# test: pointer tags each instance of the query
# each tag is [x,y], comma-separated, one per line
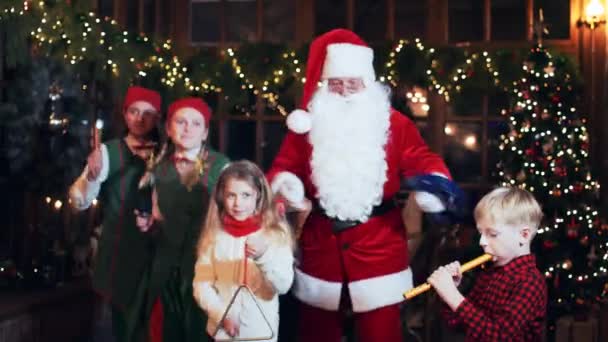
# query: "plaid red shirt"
[507,303]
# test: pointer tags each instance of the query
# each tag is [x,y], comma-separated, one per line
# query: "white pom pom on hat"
[299,121]
[337,53]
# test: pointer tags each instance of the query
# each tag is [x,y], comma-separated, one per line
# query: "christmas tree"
[45,121]
[546,152]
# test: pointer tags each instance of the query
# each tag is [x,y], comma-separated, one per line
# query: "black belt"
[340,225]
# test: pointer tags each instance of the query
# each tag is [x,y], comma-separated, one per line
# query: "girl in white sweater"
[244,241]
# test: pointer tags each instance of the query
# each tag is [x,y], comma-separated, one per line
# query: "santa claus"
[346,152]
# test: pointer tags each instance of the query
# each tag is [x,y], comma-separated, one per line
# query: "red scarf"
[238,228]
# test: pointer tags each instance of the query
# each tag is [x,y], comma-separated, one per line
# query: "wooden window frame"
[436,34]
[440,113]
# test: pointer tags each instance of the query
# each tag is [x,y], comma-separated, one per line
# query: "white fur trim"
[439,174]
[299,121]
[317,292]
[289,186]
[428,202]
[373,293]
[348,60]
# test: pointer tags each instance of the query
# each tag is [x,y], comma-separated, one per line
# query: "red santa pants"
[318,325]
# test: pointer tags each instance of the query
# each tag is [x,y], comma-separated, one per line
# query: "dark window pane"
[495,130]
[329,14]
[149,16]
[166,8]
[106,8]
[241,140]
[214,134]
[496,103]
[279,20]
[556,15]
[273,136]
[212,98]
[205,21]
[465,20]
[467,102]
[410,19]
[508,20]
[370,19]
[241,20]
[241,103]
[133,16]
[7,233]
[462,151]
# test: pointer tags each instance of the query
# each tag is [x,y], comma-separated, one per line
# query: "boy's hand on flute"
[444,282]
[453,268]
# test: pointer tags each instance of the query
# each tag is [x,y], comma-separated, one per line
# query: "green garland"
[100,51]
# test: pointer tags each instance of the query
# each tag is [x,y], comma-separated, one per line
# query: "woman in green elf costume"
[183,181]
[112,172]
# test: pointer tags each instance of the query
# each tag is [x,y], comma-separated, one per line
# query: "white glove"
[290,187]
[428,202]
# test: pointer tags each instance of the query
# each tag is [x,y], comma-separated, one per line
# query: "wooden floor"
[66,313]
[59,314]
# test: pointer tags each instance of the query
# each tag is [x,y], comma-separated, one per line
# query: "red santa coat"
[372,257]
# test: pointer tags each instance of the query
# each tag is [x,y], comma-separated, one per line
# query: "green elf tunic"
[172,272]
[124,252]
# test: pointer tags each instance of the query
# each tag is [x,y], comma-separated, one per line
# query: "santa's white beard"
[348,157]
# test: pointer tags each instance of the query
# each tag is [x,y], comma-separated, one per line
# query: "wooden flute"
[464,268]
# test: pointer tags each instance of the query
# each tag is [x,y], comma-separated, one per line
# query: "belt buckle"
[342,225]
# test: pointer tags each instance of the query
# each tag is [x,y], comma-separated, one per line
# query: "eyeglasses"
[345,85]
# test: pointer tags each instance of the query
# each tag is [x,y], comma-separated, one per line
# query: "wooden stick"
[96,135]
[464,268]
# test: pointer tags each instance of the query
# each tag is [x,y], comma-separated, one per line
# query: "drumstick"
[464,268]
[97,133]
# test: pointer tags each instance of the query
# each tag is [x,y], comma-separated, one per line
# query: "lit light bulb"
[470,141]
[594,9]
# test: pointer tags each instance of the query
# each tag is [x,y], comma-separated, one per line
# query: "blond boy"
[508,301]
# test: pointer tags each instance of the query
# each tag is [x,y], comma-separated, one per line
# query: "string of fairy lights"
[94,38]
[174,70]
[477,60]
[483,60]
[279,74]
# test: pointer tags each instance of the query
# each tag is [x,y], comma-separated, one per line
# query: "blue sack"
[450,194]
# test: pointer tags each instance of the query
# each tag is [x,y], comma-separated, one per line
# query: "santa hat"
[191,102]
[337,53]
[136,93]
